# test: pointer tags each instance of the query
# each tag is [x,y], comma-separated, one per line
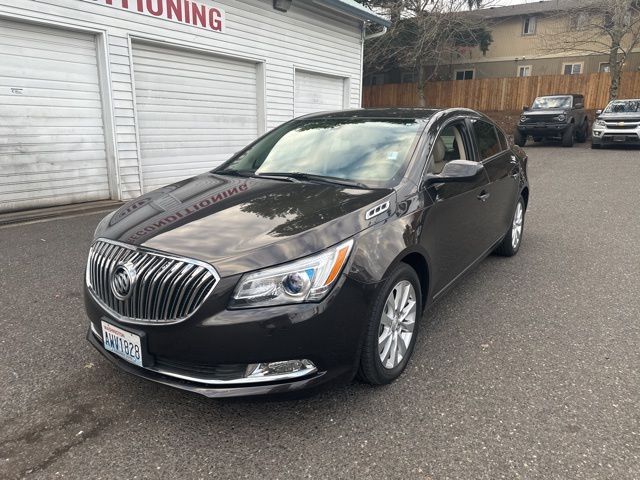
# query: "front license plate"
[122,343]
[619,138]
[540,125]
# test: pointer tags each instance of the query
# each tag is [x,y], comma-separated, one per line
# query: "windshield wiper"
[252,174]
[310,177]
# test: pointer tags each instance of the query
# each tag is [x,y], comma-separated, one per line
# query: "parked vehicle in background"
[618,124]
[559,117]
[309,256]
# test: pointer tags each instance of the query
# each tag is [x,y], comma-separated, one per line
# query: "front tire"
[582,135]
[393,327]
[510,244]
[519,139]
[568,137]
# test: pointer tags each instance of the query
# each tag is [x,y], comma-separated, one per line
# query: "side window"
[486,139]
[504,144]
[448,146]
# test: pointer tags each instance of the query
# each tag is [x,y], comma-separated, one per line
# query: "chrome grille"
[164,289]
[622,124]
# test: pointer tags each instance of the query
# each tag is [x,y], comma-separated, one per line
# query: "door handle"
[484,196]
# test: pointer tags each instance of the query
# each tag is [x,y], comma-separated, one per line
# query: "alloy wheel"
[516,228]
[397,324]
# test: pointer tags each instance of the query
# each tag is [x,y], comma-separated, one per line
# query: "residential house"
[522,46]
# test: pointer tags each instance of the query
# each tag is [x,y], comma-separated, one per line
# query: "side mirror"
[525,108]
[456,171]
[579,105]
[598,112]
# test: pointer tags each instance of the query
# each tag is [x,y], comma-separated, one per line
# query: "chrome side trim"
[238,381]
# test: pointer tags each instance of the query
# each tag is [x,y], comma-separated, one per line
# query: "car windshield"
[623,106]
[372,152]
[544,103]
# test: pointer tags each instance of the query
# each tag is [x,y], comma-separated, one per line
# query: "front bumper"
[204,353]
[543,129]
[615,137]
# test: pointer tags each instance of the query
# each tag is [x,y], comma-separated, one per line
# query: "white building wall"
[307,37]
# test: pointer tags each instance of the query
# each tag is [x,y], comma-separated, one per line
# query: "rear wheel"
[393,326]
[582,135]
[568,137]
[511,242]
[519,139]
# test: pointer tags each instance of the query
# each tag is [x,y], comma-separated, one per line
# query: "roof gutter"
[377,34]
[355,10]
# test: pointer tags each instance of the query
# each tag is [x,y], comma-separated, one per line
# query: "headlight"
[561,118]
[600,123]
[306,280]
[524,119]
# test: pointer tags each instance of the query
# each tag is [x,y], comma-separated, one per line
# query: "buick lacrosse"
[309,256]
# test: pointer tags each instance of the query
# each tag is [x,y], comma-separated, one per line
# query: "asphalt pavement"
[529,368]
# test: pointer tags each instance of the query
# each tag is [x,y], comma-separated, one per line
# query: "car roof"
[414,113]
[562,95]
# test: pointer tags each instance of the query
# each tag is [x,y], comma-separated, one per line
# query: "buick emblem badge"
[123,279]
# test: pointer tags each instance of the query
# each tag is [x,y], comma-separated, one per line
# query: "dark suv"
[556,116]
[309,256]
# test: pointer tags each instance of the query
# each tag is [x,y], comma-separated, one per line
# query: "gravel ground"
[529,368]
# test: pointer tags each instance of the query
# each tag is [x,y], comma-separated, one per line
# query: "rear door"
[454,224]
[503,169]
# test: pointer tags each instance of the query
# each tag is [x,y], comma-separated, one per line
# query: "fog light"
[286,368]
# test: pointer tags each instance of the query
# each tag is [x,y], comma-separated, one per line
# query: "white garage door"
[318,93]
[52,148]
[194,111]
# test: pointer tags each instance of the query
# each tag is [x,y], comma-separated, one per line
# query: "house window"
[524,70]
[572,68]
[465,74]
[377,79]
[604,67]
[407,78]
[529,26]
[580,21]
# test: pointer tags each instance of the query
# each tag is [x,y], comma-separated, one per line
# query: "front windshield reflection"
[374,152]
[624,106]
[544,103]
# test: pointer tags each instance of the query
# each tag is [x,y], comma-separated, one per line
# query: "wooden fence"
[501,94]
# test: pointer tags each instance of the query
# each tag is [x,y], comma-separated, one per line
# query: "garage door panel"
[52,145]
[38,198]
[194,111]
[316,92]
[180,69]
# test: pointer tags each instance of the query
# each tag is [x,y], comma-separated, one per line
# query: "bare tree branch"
[606,27]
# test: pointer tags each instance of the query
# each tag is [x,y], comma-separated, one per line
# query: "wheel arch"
[525,196]
[419,263]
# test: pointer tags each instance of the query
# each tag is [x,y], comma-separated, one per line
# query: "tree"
[606,27]
[424,35]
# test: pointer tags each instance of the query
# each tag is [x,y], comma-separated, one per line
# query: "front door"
[454,224]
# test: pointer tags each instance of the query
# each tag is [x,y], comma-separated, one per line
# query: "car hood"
[239,224]
[538,113]
[623,117]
